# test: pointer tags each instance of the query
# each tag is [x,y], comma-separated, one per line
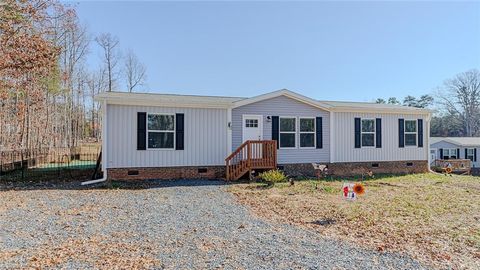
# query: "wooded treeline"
[46,88]
[456,106]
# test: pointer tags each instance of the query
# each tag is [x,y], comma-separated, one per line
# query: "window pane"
[368,125]
[160,140]
[251,123]
[307,125]
[307,140]
[410,126]
[287,124]
[410,139]
[287,140]
[160,122]
[367,140]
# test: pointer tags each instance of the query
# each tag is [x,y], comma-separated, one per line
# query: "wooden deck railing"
[251,155]
[457,165]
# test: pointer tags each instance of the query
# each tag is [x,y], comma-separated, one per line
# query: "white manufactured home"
[447,148]
[164,136]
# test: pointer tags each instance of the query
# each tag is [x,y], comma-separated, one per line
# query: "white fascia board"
[457,143]
[381,110]
[166,103]
[279,93]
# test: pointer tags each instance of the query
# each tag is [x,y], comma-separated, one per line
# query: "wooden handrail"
[261,154]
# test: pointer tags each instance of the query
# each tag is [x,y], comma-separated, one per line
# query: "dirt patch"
[433,218]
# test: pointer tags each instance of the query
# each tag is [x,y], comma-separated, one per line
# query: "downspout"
[104,147]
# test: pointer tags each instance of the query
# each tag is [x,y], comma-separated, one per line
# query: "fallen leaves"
[432,218]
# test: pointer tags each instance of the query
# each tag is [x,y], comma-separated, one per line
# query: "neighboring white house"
[456,148]
[176,136]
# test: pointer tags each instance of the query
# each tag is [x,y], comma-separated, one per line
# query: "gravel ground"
[171,224]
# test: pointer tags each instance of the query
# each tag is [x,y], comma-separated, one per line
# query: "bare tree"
[109,44]
[460,97]
[135,71]
[96,84]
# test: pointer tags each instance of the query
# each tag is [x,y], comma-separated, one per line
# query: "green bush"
[274,176]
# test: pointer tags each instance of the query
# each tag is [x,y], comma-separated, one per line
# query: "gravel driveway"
[176,224]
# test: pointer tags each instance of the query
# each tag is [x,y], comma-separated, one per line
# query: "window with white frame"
[161,131]
[307,132]
[470,154]
[410,132]
[288,132]
[368,132]
[450,153]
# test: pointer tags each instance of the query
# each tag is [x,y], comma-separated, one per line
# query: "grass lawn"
[433,218]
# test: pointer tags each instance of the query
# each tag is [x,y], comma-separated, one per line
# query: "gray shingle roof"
[462,141]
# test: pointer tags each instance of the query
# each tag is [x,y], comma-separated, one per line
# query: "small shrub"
[331,190]
[273,176]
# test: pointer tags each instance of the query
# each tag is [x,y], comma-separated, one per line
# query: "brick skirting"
[359,168]
[293,170]
[192,172]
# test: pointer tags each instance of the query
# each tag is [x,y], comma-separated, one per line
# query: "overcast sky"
[325,50]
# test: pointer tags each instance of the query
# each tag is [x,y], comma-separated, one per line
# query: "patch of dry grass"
[433,218]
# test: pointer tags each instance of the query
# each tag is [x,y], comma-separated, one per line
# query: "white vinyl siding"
[205,138]
[343,141]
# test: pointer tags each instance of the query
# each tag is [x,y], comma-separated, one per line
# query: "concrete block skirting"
[191,172]
[359,168]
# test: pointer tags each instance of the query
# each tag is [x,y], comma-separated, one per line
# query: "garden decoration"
[352,190]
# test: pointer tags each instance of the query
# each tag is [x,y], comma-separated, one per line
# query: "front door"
[252,129]
[433,155]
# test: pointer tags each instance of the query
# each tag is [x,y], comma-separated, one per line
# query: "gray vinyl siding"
[205,138]
[284,106]
[443,144]
[344,140]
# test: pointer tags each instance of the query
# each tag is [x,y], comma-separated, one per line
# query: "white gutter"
[104,148]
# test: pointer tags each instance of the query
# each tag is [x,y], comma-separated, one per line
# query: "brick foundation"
[293,170]
[194,172]
[359,168]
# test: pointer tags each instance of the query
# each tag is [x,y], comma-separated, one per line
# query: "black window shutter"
[458,153]
[401,133]
[319,132]
[466,153]
[179,131]
[420,132]
[275,129]
[357,133]
[141,130]
[378,131]
[441,153]
[475,155]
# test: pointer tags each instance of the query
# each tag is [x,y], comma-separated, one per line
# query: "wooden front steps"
[249,156]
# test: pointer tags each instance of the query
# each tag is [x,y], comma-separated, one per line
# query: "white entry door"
[433,155]
[253,130]
[252,127]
